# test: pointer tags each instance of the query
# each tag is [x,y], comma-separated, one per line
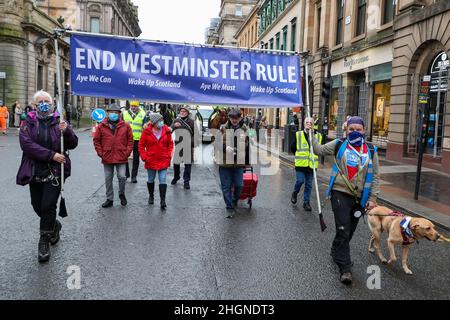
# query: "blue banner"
[175,73]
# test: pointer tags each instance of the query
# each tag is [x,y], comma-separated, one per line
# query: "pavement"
[397,187]
[275,250]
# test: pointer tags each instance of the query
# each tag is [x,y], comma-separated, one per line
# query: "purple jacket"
[32,151]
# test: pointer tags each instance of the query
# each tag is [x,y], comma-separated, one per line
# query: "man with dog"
[353,187]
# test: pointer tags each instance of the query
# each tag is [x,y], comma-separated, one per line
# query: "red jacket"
[156,154]
[113,148]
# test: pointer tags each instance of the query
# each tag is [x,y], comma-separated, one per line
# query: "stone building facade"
[118,17]
[27,51]
[232,14]
[421,47]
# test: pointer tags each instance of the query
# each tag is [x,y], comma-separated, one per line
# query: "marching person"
[40,140]
[4,117]
[231,168]
[353,187]
[135,117]
[304,164]
[155,148]
[184,122]
[113,142]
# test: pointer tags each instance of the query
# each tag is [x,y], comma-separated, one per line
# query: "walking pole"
[319,205]
[62,203]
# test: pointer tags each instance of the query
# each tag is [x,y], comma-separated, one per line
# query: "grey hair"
[41,93]
[308,118]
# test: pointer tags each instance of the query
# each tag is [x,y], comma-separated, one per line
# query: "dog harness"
[407,235]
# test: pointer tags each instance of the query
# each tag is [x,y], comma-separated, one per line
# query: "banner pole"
[311,132]
[61,117]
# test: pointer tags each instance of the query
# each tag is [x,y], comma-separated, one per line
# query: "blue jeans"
[231,177]
[162,174]
[307,178]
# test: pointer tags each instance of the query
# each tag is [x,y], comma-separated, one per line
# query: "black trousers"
[134,170]
[186,173]
[343,206]
[44,199]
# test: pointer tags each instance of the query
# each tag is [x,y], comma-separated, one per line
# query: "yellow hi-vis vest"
[303,156]
[136,123]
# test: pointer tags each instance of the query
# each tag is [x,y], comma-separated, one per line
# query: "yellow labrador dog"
[401,229]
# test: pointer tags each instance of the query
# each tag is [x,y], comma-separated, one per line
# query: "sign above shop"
[362,60]
[440,63]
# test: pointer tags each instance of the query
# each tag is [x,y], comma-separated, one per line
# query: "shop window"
[333,110]
[381,112]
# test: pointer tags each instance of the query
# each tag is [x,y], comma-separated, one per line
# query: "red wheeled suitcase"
[250,186]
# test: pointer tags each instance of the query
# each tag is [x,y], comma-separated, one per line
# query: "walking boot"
[294,197]
[44,246]
[174,180]
[186,185]
[55,236]
[107,204]
[346,278]
[307,206]
[123,200]
[151,192]
[162,195]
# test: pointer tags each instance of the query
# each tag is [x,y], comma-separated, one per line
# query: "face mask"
[160,124]
[113,117]
[355,138]
[43,107]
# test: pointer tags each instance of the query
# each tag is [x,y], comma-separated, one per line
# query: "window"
[284,45]
[389,11]
[340,21]
[239,10]
[95,25]
[361,16]
[280,6]
[40,78]
[293,33]
[319,13]
[271,44]
[274,10]
[277,41]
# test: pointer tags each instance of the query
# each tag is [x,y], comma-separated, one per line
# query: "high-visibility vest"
[3,112]
[136,123]
[303,156]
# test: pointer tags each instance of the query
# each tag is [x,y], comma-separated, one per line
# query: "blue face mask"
[43,107]
[113,117]
[160,124]
[355,138]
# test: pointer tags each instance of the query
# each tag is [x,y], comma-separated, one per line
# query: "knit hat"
[355,120]
[184,107]
[155,117]
[234,112]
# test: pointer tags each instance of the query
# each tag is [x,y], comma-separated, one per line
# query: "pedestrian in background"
[305,163]
[135,117]
[113,142]
[353,187]
[17,113]
[40,140]
[184,122]
[155,148]
[4,118]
